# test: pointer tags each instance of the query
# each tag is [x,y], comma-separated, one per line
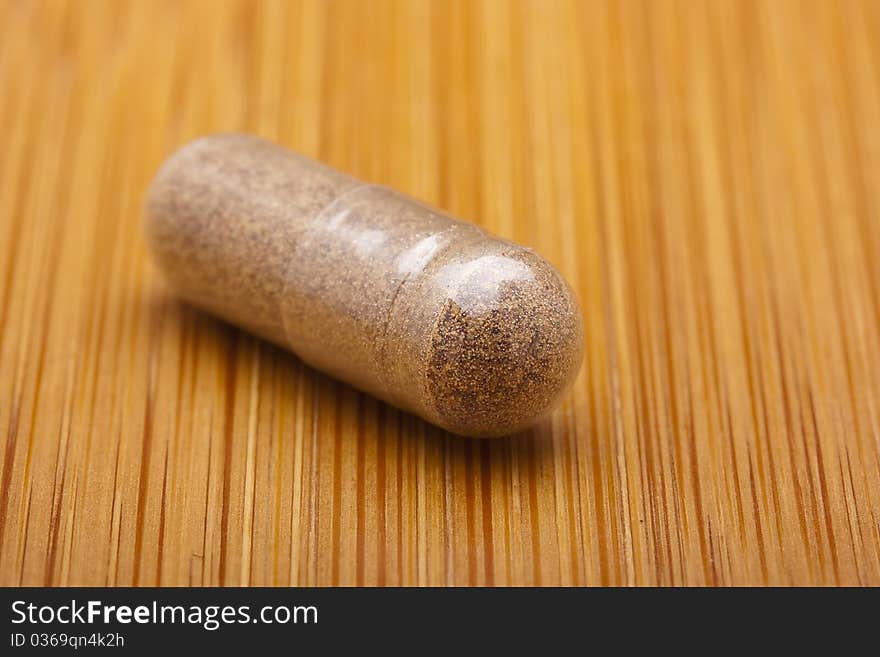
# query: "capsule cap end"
[506,346]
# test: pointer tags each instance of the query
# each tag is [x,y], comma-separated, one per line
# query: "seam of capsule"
[285,290]
[422,372]
[336,205]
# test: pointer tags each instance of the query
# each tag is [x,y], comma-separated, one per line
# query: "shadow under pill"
[334,406]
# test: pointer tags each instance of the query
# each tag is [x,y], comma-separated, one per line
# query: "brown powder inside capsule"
[506,365]
[224,216]
[427,312]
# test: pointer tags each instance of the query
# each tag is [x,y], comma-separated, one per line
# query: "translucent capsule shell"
[429,313]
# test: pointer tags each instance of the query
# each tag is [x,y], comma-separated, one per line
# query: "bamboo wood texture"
[705,174]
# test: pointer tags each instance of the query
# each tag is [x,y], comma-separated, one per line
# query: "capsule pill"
[429,313]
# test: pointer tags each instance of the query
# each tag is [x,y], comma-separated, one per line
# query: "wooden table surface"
[705,174]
